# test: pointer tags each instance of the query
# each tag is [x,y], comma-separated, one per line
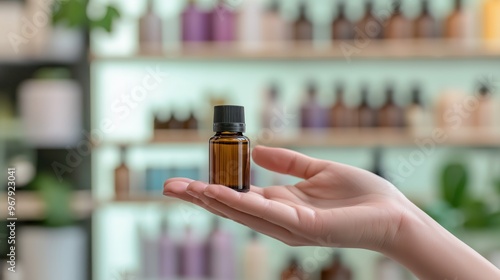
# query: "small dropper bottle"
[230,149]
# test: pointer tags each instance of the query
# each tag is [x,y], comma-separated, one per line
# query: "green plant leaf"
[72,13]
[56,197]
[454,180]
[106,22]
[496,183]
[494,219]
[477,215]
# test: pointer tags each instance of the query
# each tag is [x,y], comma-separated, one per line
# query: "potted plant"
[474,219]
[55,248]
[72,19]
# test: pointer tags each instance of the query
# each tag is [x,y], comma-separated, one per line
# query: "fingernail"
[209,194]
[191,193]
[168,193]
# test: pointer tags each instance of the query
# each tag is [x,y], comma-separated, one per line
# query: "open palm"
[335,204]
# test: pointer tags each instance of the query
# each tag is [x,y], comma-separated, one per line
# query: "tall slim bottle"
[302,27]
[168,254]
[425,25]
[390,114]
[249,23]
[455,24]
[195,26]
[273,25]
[293,271]
[270,109]
[340,114]
[192,256]
[229,149]
[366,116]
[221,256]
[491,20]
[122,176]
[223,22]
[398,26]
[255,259]
[342,28]
[150,31]
[149,252]
[369,26]
[313,115]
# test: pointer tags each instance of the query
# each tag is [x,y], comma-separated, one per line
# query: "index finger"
[288,162]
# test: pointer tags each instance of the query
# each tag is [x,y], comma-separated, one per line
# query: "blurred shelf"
[10,130]
[386,137]
[355,137]
[144,198]
[30,60]
[346,50]
[29,206]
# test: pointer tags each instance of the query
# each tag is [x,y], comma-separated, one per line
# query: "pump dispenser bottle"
[230,149]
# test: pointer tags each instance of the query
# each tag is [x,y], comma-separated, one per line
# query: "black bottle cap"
[229,118]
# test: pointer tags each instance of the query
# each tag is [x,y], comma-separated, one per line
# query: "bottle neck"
[341,10]
[228,133]
[425,8]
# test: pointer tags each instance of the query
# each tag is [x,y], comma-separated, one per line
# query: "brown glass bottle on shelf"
[191,123]
[337,270]
[158,124]
[293,271]
[173,122]
[366,116]
[342,28]
[340,114]
[390,114]
[229,151]
[455,24]
[425,26]
[398,26]
[302,27]
[369,25]
[122,177]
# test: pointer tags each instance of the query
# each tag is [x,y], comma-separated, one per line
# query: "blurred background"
[101,101]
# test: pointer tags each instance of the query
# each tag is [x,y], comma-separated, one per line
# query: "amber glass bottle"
[455,24]
[302,27]
[342,28]
[425,25]
[122,176]
[230,149]
[369,24]
[398,26]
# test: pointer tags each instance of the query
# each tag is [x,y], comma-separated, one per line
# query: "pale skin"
[337,205]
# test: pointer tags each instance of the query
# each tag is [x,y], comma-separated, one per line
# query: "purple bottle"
[221,264]
[192,256]
[168,256]
[313,115]
[223,22]
[195,24]
[149,255]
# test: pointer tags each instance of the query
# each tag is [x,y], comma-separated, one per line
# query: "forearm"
[431,252]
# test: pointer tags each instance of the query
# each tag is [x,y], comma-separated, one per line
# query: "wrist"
[431,252]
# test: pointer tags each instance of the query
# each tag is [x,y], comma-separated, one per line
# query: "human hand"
[335,204]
